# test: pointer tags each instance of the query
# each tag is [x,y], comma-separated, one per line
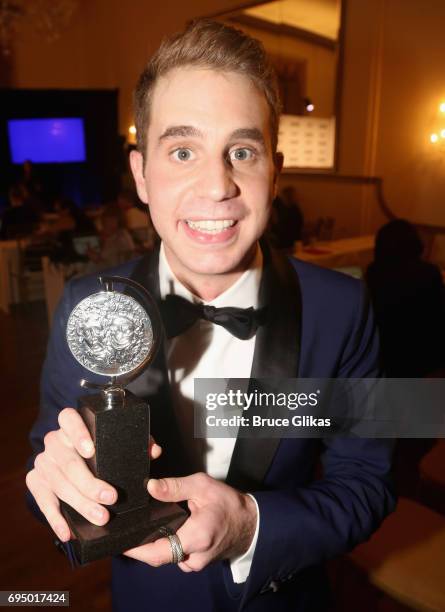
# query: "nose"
[216,181]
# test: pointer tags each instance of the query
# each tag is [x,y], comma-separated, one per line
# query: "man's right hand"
[61,473]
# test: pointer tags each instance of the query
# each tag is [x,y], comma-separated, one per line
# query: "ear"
[137,169]
[278,164]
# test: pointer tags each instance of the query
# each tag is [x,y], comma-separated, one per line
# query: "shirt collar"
[242,294]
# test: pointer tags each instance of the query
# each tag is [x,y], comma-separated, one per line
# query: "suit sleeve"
[60,379]
[304,527]
[59,386]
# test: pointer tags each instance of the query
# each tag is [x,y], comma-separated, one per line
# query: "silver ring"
[175,544]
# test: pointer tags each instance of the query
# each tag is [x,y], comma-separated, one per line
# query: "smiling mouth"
[210,226]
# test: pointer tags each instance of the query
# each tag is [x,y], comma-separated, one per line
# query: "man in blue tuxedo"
[261,521]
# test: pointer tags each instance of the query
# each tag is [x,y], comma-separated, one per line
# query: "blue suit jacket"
[320,324]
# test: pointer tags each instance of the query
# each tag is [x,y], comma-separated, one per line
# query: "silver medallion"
[110,333]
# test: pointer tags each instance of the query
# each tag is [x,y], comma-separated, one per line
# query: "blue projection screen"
[47,140]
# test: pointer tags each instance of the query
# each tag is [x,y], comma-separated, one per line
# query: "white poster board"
[307,142]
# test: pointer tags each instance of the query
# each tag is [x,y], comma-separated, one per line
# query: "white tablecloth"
[348,252]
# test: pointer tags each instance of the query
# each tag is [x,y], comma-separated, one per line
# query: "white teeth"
[211,227]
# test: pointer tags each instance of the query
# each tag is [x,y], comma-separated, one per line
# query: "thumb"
[176,489]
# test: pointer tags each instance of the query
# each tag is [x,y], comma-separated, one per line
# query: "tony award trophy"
[110,333]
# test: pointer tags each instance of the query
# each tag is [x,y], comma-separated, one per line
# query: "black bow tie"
[179,314]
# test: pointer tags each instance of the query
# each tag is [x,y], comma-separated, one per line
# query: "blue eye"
[242,154]
[182,154]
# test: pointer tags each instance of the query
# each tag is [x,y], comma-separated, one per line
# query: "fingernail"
[160,484]
[87,446]
[97,513]
[106,496]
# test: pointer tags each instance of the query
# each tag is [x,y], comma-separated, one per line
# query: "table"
[348,252]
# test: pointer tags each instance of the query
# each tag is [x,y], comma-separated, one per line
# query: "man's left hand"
[221,524]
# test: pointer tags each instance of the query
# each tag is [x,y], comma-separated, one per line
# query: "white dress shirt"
[207,350]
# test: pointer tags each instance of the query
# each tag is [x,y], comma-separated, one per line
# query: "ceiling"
[321,17]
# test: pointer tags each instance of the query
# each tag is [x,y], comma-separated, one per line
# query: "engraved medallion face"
[110,333]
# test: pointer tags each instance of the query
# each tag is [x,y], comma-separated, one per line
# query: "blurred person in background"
[138,220]
[71,218]
[135,212]
[408,298]
[286,223]
[39,199]
[29,177]
[116,243]
[59,229]
[19,219]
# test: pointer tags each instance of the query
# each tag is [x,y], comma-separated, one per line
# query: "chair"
[405,558]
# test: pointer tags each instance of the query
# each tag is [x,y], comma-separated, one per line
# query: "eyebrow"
[248,134]
[180,131]
[187,131]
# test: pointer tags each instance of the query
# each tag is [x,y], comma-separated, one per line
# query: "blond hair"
[211,45]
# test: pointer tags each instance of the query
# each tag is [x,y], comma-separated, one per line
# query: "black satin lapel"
[162,418]
[277,346]
[276,355]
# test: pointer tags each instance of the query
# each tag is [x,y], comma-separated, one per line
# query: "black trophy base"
[123,531]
